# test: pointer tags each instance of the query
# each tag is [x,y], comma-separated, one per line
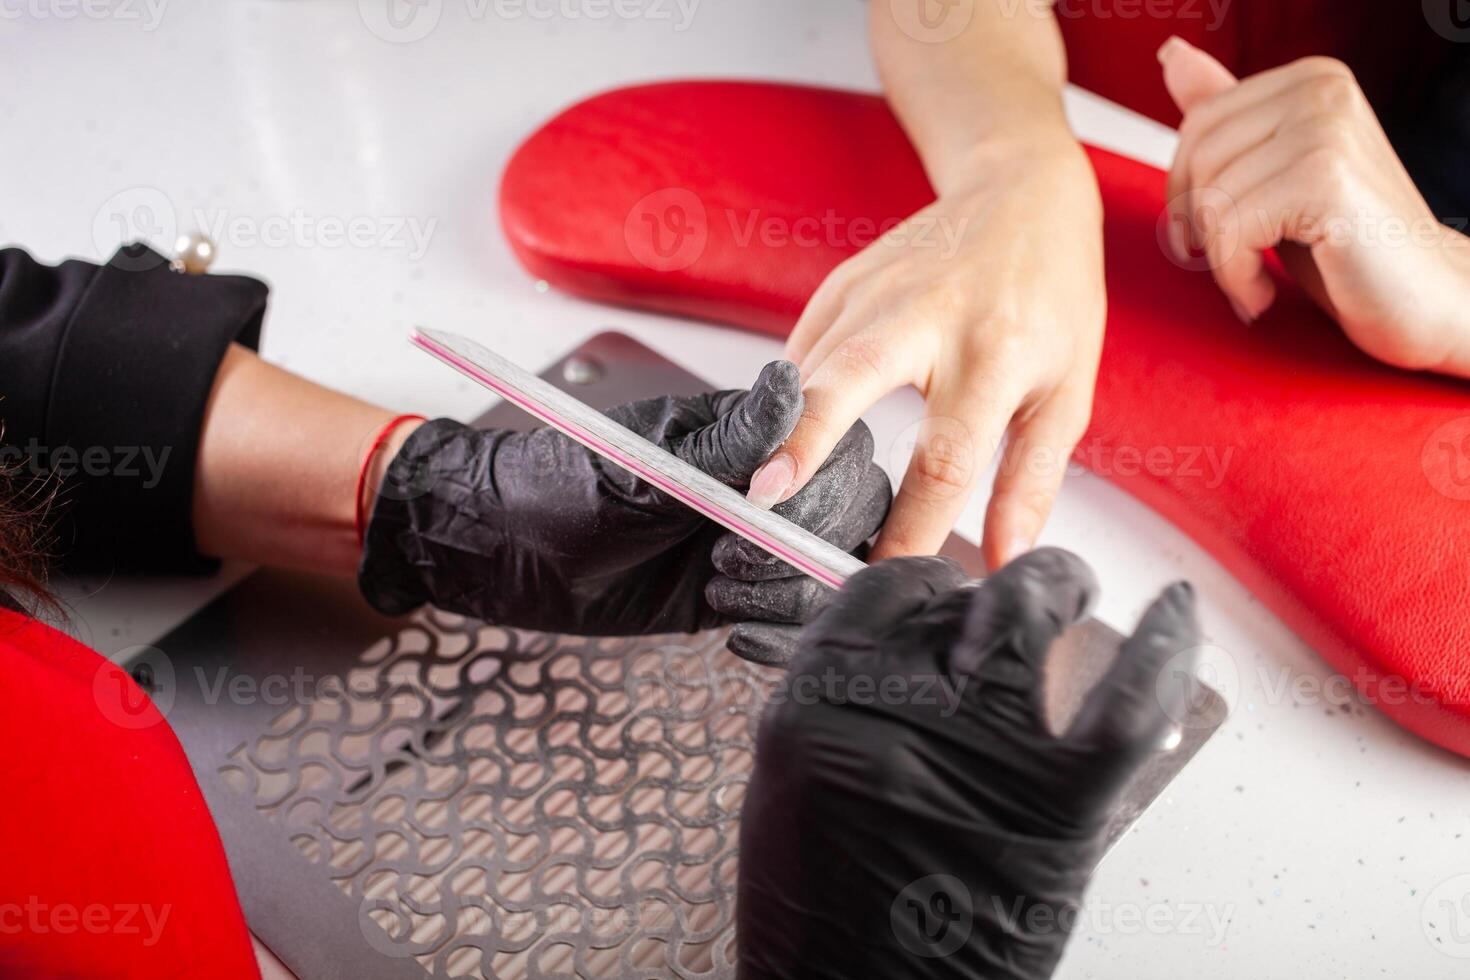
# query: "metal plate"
[431,796]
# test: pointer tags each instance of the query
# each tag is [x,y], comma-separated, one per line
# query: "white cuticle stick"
[699,491]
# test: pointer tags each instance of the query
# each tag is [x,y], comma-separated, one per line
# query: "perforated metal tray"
[431,796]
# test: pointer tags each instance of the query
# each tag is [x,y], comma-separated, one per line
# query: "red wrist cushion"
[1344,501]
[110,865]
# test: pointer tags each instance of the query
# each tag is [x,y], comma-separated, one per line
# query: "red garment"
[110,865]
[1389,44]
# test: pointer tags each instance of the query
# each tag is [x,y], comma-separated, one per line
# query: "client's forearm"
[277,473]
[994,86]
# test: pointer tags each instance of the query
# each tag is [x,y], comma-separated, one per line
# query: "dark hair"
[25,543]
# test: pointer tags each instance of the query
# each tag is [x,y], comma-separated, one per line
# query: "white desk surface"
[1318,835]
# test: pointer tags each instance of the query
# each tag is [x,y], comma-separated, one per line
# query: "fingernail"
[1242,313]
[1167,49]
[771,481]
[1019,545]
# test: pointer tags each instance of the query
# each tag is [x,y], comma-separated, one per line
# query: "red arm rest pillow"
[1345,504]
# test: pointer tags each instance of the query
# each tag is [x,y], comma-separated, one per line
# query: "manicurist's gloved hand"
[530,529]
[910,814]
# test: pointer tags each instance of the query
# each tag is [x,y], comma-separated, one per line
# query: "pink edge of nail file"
[688,484]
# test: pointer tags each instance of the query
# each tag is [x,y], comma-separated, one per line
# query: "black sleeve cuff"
[131,378]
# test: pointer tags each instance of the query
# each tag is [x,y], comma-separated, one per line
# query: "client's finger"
[1031,472]
[843,513]
[861,370]
[954,445]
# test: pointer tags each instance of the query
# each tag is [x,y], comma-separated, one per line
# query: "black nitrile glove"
[910,814]
[530,529]
[845,503]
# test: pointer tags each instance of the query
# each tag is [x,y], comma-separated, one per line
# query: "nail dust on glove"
[530,529]
[910,814]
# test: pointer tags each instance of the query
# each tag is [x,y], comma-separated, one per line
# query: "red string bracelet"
[367,461]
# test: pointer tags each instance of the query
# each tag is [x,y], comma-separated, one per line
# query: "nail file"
[688,484]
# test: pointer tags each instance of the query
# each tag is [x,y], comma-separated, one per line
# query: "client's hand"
[1294,159]
[531,529]
[990,302]
[910,814]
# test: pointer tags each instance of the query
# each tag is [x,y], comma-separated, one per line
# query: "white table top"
[1317,835]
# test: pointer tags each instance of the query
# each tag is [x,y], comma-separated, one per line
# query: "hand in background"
[1294,159]
[531,529]
[910,813]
